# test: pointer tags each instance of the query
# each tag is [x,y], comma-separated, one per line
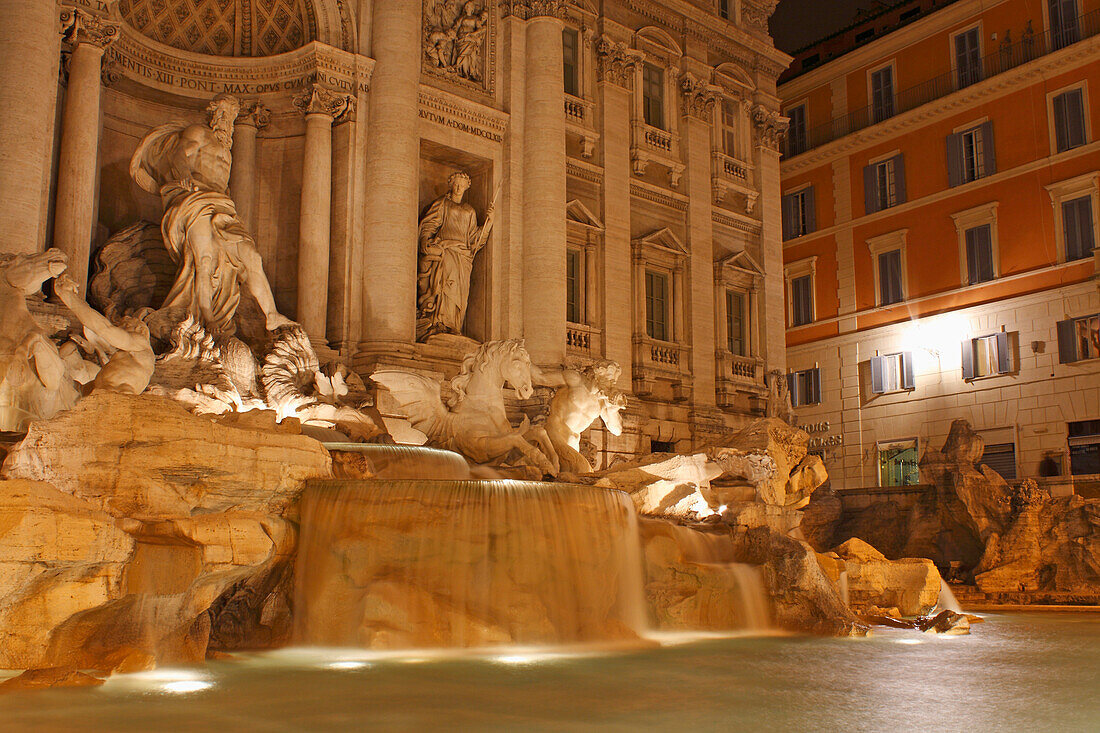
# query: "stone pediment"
[741,261]
[577,213]
[664,239]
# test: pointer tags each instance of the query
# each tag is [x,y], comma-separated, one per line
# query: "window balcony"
[661,360]
[730,175]
[580,122]
[583,340]
[651,144]
[740,380]
[1009,55]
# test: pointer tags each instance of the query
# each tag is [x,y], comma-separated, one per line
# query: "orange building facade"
[940,211]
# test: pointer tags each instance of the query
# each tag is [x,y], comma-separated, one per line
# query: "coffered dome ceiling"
[224,27]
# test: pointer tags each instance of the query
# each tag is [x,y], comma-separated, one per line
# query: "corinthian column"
[320,106]
[78,164]
[30,48]
[392,176]
[252,118]
[544,184]
[770,131]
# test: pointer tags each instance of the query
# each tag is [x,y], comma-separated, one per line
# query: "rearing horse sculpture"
[475,423]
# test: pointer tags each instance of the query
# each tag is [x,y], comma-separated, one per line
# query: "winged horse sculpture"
[474,421]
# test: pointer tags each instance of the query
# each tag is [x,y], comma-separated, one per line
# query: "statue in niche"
[779,397]
[449,240]
[188,166]
[455,38]
[582,398]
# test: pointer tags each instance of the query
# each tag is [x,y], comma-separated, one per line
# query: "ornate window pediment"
[660,244]
[577,213]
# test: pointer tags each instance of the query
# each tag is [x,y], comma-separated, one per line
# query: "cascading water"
[842,586]
[390,563]
[947,600]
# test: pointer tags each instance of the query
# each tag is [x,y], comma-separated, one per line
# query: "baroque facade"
[940,211]
[617,168]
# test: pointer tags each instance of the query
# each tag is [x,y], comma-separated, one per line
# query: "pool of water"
[1026,672]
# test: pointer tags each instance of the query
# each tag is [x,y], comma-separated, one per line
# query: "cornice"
[736,221]
[884,46]
[584,171]
[187,74]
[985,90]
[647,192]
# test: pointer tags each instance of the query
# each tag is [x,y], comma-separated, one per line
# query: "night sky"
[797,23]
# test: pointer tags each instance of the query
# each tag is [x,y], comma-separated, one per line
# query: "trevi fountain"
[211,515]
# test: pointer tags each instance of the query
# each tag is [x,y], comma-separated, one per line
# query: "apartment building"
[940,225]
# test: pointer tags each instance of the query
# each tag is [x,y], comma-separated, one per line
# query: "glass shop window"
[1084,447]
[898,463]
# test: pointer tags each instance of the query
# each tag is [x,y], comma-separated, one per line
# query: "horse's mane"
[475,360]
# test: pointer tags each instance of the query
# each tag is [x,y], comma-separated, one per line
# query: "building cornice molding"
[964,99]
[885,46]
[187,74]
[584,171]
[736,221]
[653,194]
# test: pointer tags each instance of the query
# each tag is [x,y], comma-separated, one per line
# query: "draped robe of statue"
[449,240]
[189,167]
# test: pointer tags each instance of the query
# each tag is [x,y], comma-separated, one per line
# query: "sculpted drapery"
[449,239]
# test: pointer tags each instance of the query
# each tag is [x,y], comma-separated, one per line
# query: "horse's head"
[515,367]
[27,272]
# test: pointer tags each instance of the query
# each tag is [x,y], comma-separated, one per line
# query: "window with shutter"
[882,94]
[889,274]
[653,96]
[968,58]
[1001,457]
[724,9]
[796,130]
[802,306]
[804,387]
[571,60]
[973,154]
[979,254]
[1077,228]
[1069,120]
[987,356]
[1063,23]
[892,373]
[954,160]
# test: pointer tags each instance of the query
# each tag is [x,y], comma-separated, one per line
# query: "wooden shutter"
[1075,119]
[877,385]
[968,358]
[907,378]
[870,190]
[954,160]
[973,262]
[811,210]
[1061,129]
[1067,342]
[1004,363]
[899,178]
[989,150]
[792,388]
[815,385]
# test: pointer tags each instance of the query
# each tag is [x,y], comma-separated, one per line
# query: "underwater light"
[186,686]
[347,664]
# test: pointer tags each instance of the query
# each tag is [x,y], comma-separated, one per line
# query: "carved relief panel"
[459,42]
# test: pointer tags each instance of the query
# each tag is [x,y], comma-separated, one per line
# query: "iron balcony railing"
[1010,54]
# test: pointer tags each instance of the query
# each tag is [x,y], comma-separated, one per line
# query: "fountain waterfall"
[408,563]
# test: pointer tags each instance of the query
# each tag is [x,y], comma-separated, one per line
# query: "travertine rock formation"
[123,521]
[704,577]
[911,585]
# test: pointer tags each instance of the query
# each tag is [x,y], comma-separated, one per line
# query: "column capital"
[254,113]
[527,9]
[616,62]
[316,99]
[697,97]
[79,27]
[771,127]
